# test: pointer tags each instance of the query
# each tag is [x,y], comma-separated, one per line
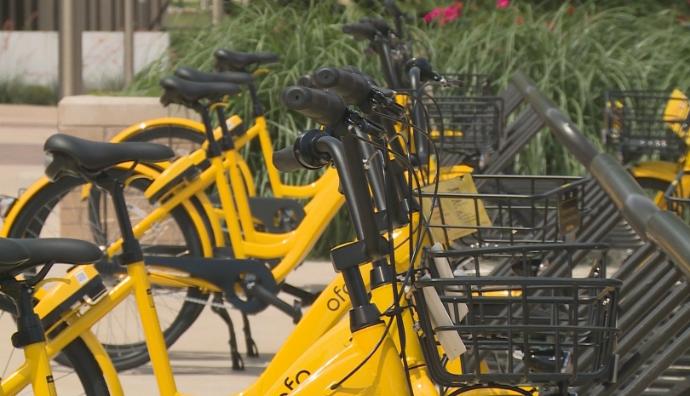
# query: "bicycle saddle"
[68,151]
[17,255]
[238,61]
[195,75]
[184,92]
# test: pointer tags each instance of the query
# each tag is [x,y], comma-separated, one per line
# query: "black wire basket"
[467,125]
[467,84]
[507,209]
[464,118]
[639,123]
[541,331]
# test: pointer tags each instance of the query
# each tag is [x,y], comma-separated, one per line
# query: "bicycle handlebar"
[361,30]
[354,88]
[323,107]
[426,71]
[380,24]
[397,14]
[285,160]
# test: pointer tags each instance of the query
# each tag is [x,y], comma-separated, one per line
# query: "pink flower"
[451,13]
[502,3]
[444,14]
[433,14]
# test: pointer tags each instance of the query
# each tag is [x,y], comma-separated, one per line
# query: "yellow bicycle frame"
[259,129]
[35,371]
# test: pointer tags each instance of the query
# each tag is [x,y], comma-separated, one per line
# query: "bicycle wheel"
[183,140]
[82,377]
[59,209]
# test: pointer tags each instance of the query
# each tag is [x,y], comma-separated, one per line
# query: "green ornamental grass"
[574,52]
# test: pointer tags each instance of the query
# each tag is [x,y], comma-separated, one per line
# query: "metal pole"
[70,50]
[217,11]
[129,42]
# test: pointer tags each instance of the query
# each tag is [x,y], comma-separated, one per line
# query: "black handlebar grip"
[361,30]
[285,160]
[380,24]
[352,87]
[323,107]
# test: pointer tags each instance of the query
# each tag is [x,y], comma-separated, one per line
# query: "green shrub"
[17,91]
[574,52]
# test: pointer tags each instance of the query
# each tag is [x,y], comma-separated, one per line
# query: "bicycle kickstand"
[219,309]
[252,349]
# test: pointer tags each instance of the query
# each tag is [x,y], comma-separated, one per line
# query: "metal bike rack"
[654,319]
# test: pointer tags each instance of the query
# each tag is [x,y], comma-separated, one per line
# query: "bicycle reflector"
[6,204]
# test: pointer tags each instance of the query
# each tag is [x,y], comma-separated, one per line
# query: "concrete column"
[70,50]
[217,11]
[129,42]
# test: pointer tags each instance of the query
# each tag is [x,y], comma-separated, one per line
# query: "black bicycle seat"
[196,75]
[185,92]
[18,255]
[96,156]
[11,254]
[239,61]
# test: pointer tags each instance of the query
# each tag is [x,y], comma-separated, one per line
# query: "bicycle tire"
[79,356]
[164,134]
[32,218]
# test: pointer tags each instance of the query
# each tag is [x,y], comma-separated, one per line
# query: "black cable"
[396,295]
[366,359]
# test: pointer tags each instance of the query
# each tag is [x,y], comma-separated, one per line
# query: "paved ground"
[201,358]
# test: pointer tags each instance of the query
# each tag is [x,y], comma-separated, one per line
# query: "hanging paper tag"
[461,215]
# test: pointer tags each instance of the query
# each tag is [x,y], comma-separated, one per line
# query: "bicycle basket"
[507,209]
[518,330]
[465,125]
[646,123]
[467,84]
[465,122]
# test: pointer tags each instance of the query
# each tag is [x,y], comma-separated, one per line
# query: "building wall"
[32,57]
[93,15]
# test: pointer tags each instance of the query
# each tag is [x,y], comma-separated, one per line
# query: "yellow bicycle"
[84,353]
[192,225]
[362,355]
[649,129]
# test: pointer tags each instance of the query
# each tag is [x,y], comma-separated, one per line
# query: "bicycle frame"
[258,129]
[35,371]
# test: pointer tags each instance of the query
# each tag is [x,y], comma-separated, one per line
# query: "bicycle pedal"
[306,297]
[269,298]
